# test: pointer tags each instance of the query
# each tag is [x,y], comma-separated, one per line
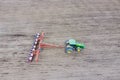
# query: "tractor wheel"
[66,42]
[78,49]
[69,49]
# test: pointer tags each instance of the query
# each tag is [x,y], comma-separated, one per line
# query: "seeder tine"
[33,49]
[30,58]
[37,35]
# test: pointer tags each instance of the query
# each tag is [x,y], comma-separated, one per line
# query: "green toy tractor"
[72,45]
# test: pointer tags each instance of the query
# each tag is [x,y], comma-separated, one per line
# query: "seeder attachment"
[38,45]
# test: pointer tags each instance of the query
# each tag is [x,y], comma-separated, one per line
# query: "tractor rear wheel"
[69,49]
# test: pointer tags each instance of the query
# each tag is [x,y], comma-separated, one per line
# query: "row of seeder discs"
[34,47]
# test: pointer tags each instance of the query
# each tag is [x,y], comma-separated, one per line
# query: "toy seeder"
[38,45]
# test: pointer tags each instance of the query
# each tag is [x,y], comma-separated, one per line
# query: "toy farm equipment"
[38,45]
[72,45]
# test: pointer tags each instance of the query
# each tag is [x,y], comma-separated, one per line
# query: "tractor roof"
[72,41]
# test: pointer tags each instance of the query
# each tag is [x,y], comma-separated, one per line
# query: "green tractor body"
[73,45]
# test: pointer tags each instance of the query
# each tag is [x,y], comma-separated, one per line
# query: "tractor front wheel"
[78,49]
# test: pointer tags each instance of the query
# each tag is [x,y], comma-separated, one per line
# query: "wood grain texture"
[94,22]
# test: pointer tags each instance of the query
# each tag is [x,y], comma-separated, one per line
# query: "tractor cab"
[72,42]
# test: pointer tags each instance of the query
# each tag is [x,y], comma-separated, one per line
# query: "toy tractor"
[72,45]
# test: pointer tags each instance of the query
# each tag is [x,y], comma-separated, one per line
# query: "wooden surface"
[93,22]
